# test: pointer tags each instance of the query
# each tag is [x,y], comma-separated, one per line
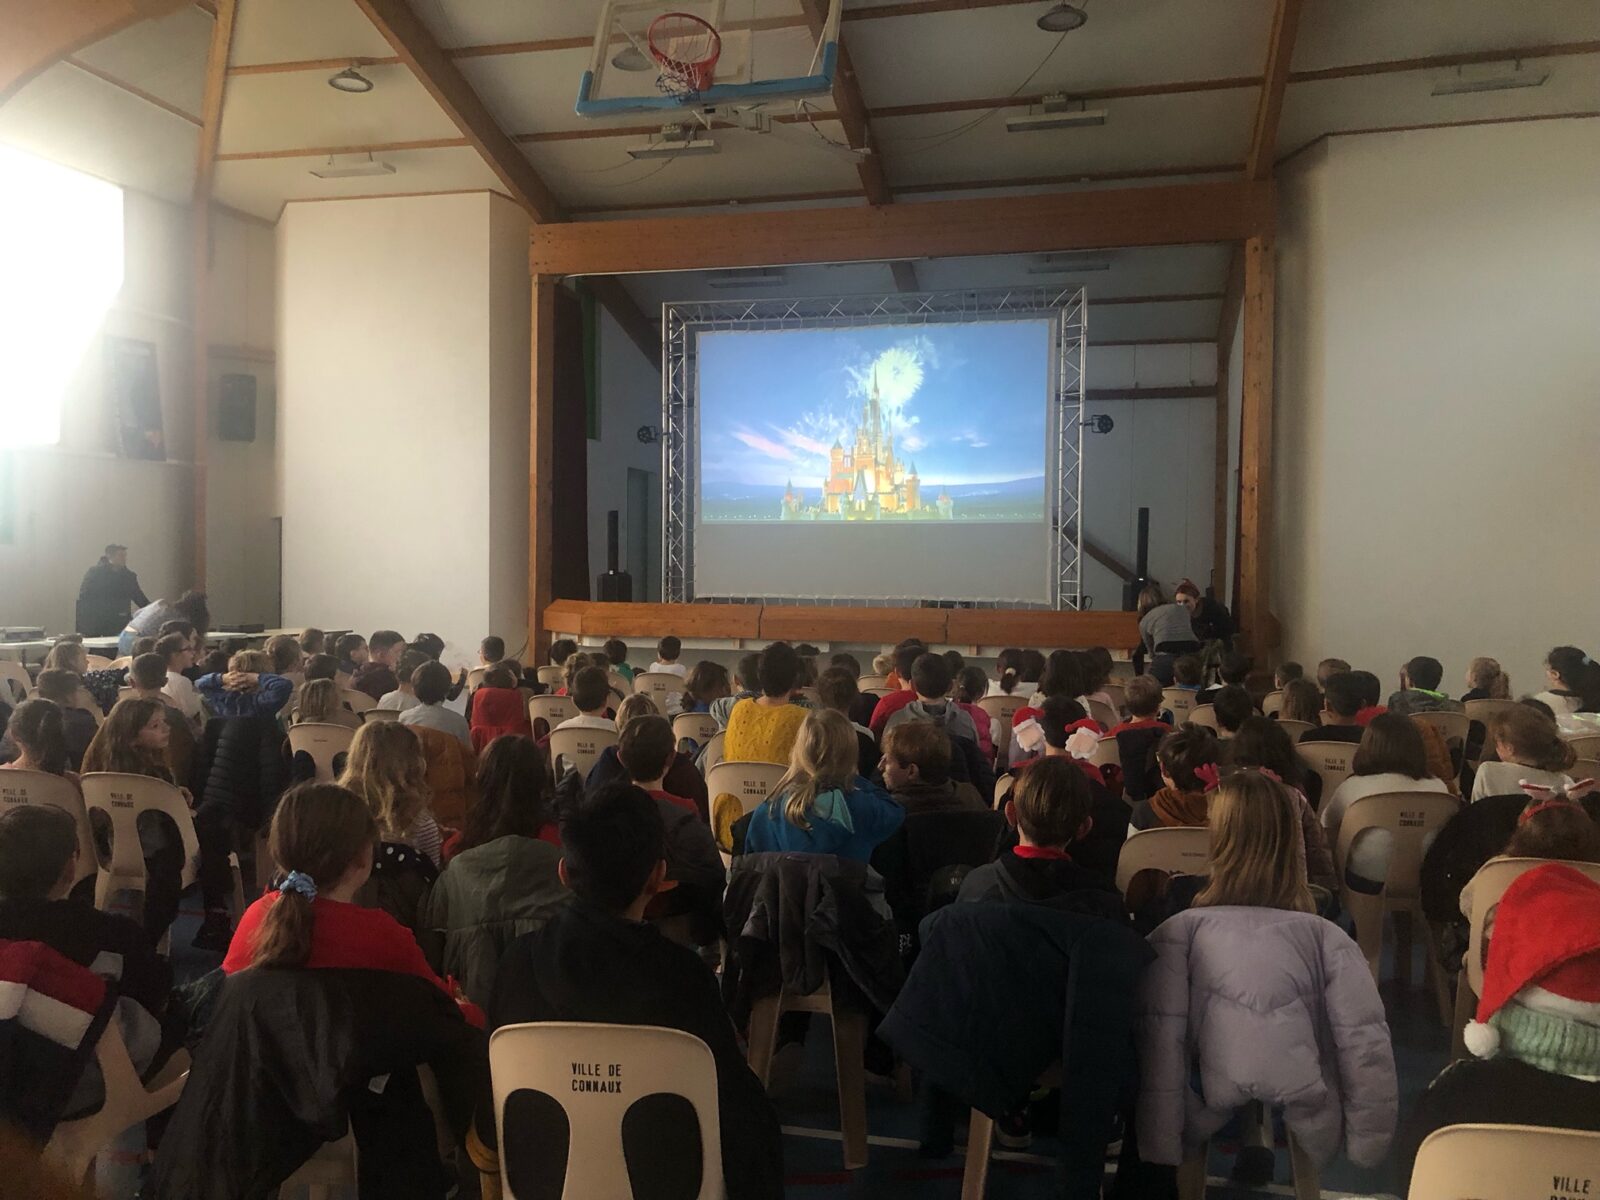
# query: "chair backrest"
[657,684]
[15,682]
[748,782]
[18,788]
[374,715]
[1295,728]
[122,798]
[1104,713]
[873,683]
[86,701]
[475,678]
[1586,768]
[1204,714]
[712,754]
[552,710]
[1409,817]
[324,743]
[699,728]
[1180,701]
[1106,753]
[1177,850]
[620,683]
[1586,745]
[1001,710]
[1503,1162]
[1488,885]
[97,662]
[579,748]
[356,702]
[1330,760]
[1002,788]
[1271,702]
[1452,726]
[1118,695]
[607,1087]
[551,675]
[1484,711]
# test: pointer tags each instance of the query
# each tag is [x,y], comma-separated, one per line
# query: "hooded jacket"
[848,822]
[485,898]
[497,712]
[1268,1005]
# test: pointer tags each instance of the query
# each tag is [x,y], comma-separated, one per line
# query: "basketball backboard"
[765,52]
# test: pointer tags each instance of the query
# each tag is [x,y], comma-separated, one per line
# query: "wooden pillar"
[1220,480]
[1255,450]
[541,465]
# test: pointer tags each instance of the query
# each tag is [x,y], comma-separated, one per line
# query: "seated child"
[351,653]
[1138,736]
[599,960]
[313,642]
[248,689]
[491,651]
[432,683]
[177,655]
[916,770]
[1419,689]
[1302,701]
[147,678]
[591,693]
[77,724]
[821,805]
[1187,673]
[929,685]
[375,677]
[498,709]
[836,689]
[1328,668]
[1530,748]
[1341,701]
[667,651]
[1233,707]
[746,686]
[616,652]
[705,684]
[1182,797]
[1232,668]
[1285,672]
[404,695]
[319,703]
[972,685]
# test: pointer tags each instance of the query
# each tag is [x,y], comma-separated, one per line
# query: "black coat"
[104,598]
[587,965]
[913,857]
[1002,991]
[285,1065]
[246,768]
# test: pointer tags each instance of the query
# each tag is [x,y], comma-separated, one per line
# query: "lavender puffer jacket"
[1273,1006]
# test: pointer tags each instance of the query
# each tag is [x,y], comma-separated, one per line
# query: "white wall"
[395,374]
[1437,382]
[510,338]
[630,396]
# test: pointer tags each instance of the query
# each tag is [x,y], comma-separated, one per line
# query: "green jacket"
[485,898]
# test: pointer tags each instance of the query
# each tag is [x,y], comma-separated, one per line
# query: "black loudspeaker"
[614,584]
[236,409]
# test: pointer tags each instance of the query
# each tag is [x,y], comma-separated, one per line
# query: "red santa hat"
[1543,971]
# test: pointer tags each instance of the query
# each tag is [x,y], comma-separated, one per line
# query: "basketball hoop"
[686,48]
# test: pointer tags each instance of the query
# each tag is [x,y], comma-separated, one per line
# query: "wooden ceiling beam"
[1084,220]
[435,70]
[1275,78]
[359,148]
[40,33]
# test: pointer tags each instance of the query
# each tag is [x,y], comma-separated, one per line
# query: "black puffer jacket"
[247,768]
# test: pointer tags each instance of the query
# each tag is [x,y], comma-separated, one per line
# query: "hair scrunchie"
[297,881]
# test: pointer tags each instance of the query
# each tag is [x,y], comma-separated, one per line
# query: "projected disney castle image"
[936,424]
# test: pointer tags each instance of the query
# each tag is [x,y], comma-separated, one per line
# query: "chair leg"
[763,1036]
[975,1171]
[1435,973]
[1367,913]
[1192,1175]
[1307,1184]
[849,1043]
[1466,1006]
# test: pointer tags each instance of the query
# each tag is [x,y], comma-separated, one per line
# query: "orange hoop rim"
[694,74]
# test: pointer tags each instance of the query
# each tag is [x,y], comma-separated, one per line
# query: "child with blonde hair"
[319,704]
[1486,681]
[821,806]
[388,770]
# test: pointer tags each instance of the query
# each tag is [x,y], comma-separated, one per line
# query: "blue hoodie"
[849,823]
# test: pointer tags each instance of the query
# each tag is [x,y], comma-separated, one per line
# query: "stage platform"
[977,632]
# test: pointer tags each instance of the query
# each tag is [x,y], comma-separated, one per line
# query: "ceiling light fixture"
[631,58]
[1063,18]
[1463,85]
[350,80]
[1056,112]
[362,166]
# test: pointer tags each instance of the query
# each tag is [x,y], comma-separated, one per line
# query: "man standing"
[107,591]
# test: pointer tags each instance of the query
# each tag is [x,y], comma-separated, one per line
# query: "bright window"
[60,269]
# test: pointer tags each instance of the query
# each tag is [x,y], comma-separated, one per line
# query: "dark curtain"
[571,505]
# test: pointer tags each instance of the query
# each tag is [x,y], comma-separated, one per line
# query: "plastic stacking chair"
[1409,817]
[1501,1162]
[122,798]
[1192,1174]
[1453,727]
[877,684]
[657,685]
[74,1144]
[849,1041]
[1002,788]
[97,662]
[620,684]
[1295,728]
[1104,713]
[1479,714]
[1106,753]
[1177,850]
[1180,701]
[744,783]
[1272,702]
[1486,888]
[551,676]
[573,1135]
[712,754]
[1001,710]
[1585,745]
[1118,695]
[1331,762]
[374,716]
[980,1144]
[699,728]
[86,701]
[356,702]
[1204,714]
[579,748]
[18,788]
[324,743]
[15,682]
[475,678]
[552,710]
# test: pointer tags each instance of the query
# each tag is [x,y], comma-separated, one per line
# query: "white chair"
[74,1144]
[1104,713]
[1204,714]
[579,748]
[15,682]
[1453,727]
[1001,710]
[874,683]
[552,710]
[1503,1162]
[324,743]
[475,678]
[746,784]
[1585,745]
[1181,701]
[1295,728]
[86,701]
[699,728]
[620,683]
[658,685]
[980,1143]
[1118,695]
[712,754]
[1271,703]
[122,798]
[1176,849]
[1002,788]
[1482,712]
[596,1074]
[1331,761]
[356,702]
[1307,1181]
[551,675]
[18,788]
[376,716]
[97,662]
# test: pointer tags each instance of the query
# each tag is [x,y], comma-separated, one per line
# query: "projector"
[1054,114]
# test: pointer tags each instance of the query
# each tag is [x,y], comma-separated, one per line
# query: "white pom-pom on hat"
[1481,1038]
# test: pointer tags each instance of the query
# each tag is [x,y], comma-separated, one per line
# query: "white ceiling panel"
[1384,101]
[1335,33]
[261,185]
[1197,129]
[994,51]
[748,164]
[268,31]
[491,22]
[166,57]
[298,109]
[81,122]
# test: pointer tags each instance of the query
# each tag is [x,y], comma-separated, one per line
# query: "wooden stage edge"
[1021,627]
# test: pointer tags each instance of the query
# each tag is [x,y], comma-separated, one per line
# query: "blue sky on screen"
[966,403]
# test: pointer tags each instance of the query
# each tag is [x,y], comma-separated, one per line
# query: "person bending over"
[599,960]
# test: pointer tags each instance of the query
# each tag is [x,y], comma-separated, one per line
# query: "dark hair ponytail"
[1579,675]
[38,727]
[319,832]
